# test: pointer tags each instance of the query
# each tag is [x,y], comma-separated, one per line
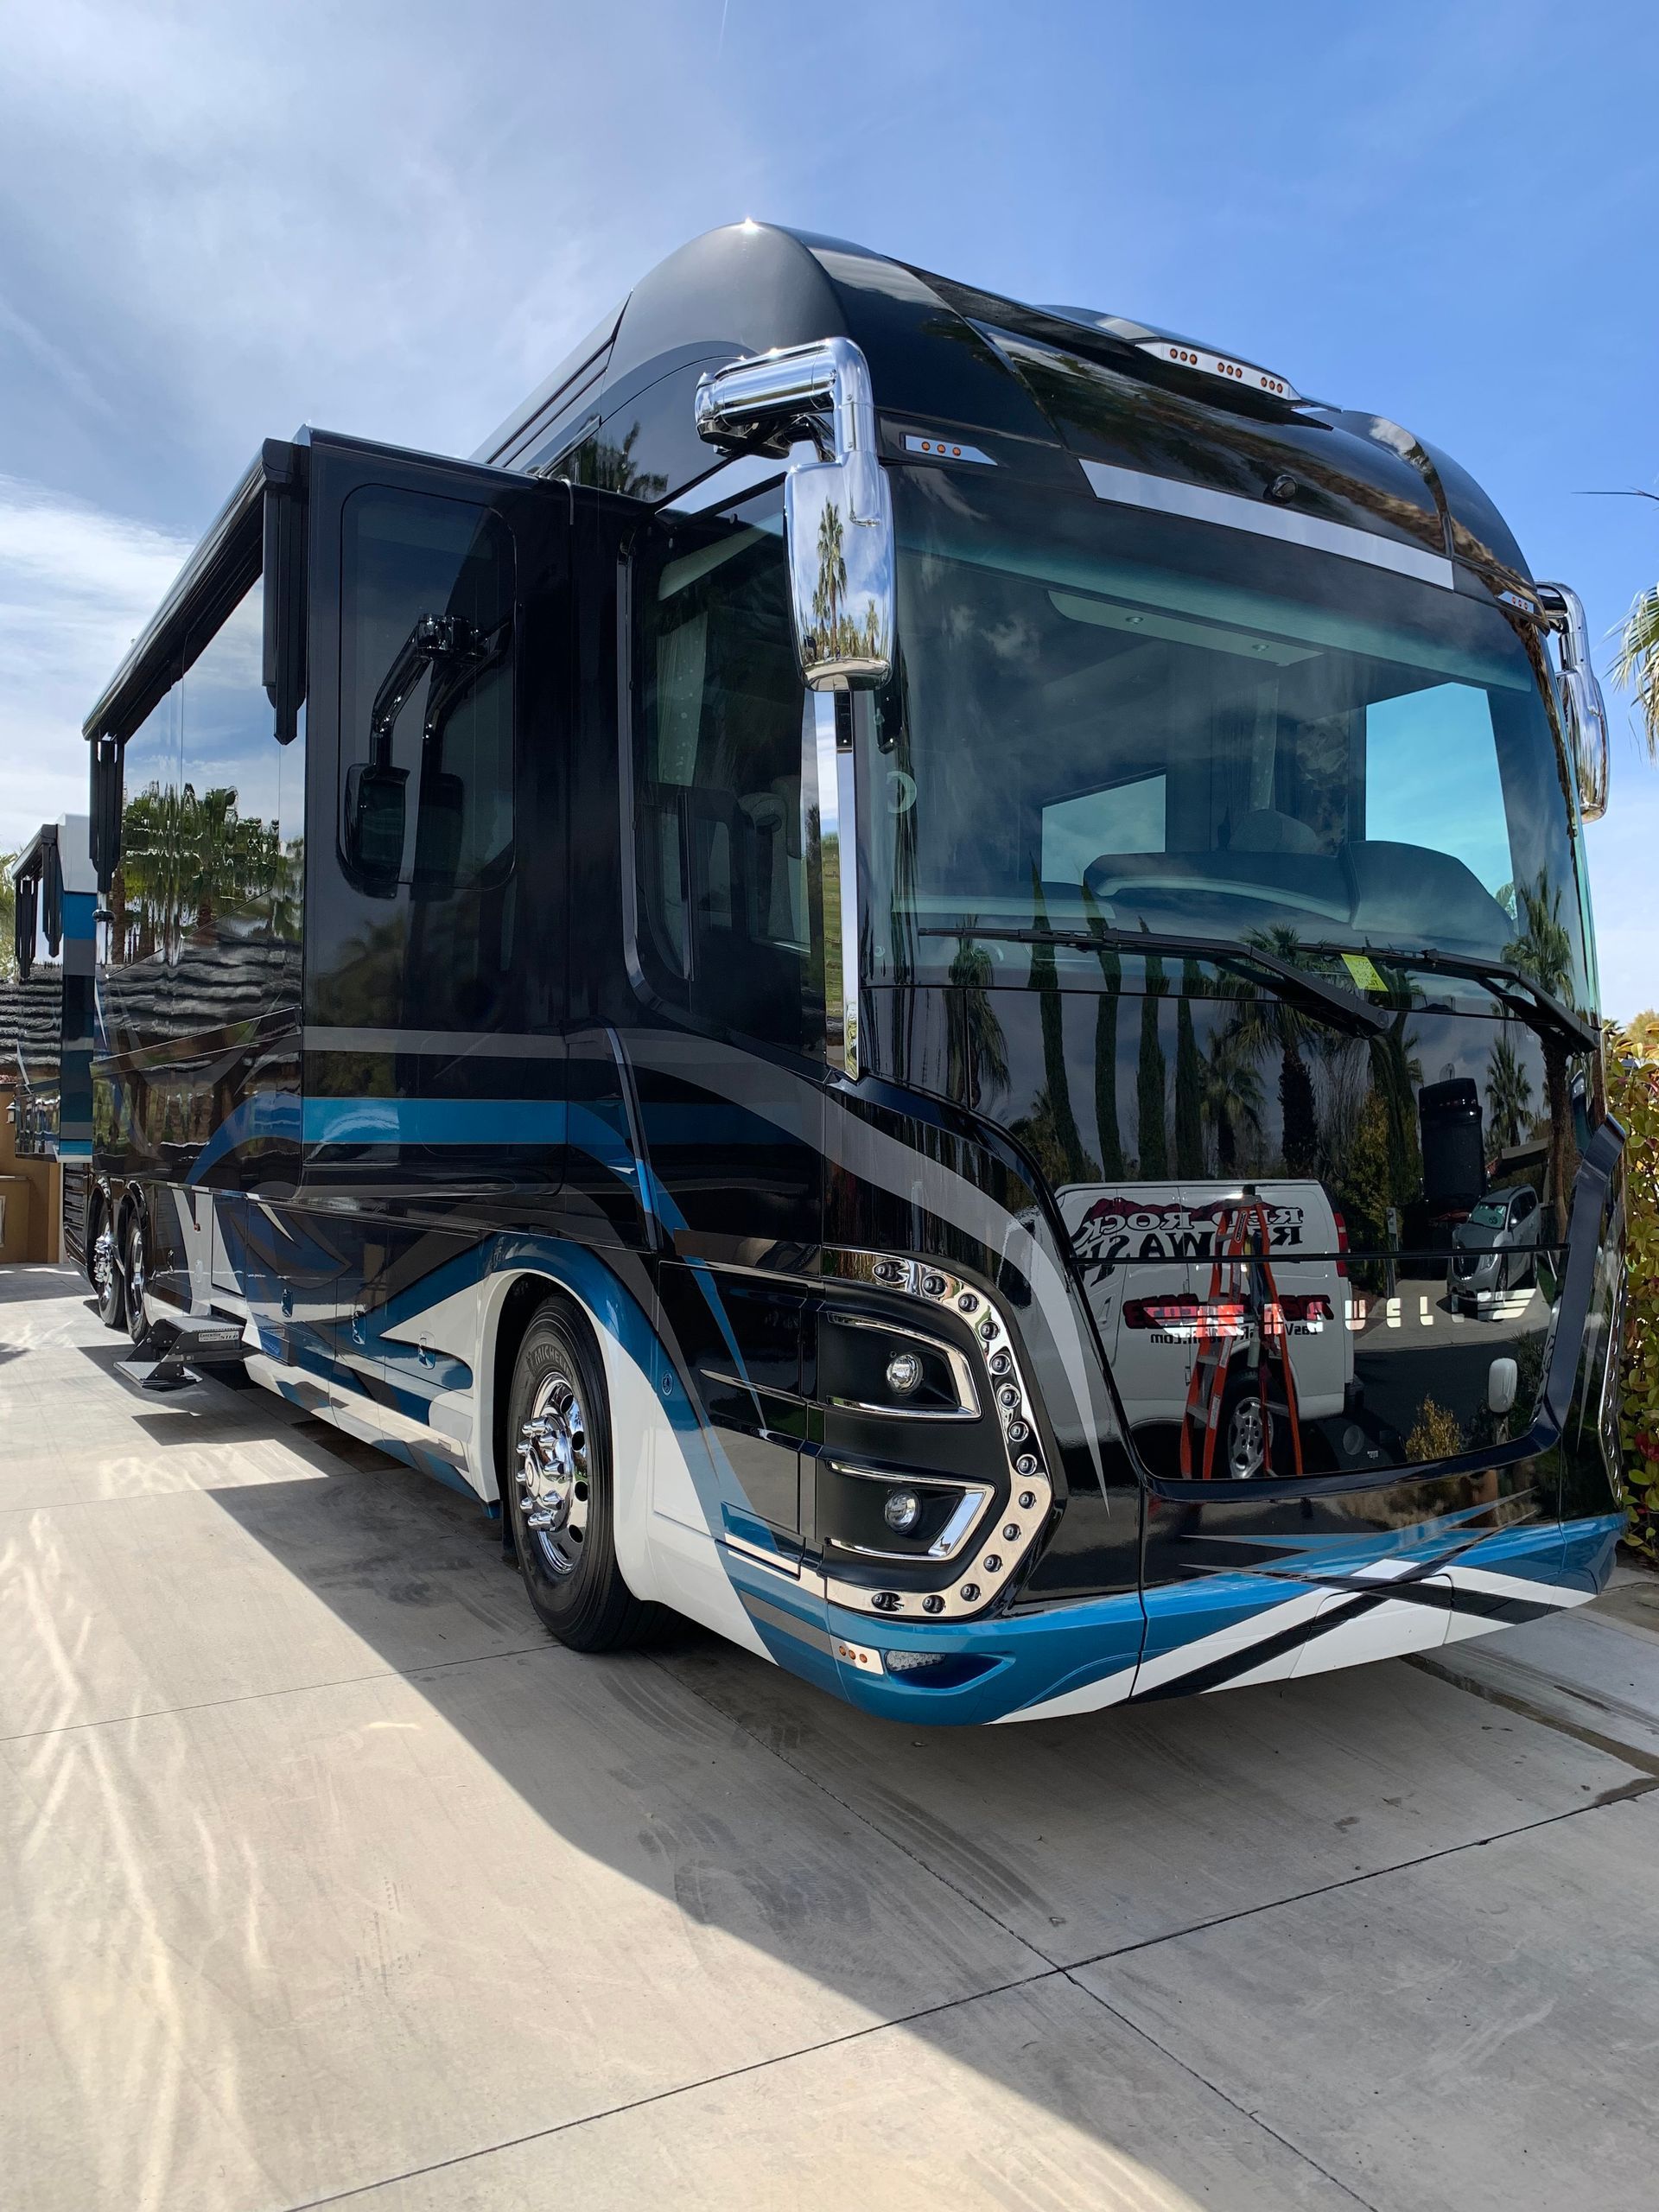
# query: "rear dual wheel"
[134,1269]
[560,1488]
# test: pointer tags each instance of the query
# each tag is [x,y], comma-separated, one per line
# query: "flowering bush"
[1633,1093]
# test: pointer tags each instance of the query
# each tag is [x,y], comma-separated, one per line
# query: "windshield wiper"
[1494,975]
[1249,961]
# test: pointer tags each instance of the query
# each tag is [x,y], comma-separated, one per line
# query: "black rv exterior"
[870,974]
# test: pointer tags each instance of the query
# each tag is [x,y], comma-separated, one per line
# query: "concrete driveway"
[328,1877]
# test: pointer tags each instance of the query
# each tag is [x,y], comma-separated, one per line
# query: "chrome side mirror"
[1585,711]
[837,509]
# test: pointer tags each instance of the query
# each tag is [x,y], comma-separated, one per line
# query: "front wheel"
[103,1266]
[560,1489]
[1247,1432]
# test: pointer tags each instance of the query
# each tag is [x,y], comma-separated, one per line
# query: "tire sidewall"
[132,1233]
[571,1605]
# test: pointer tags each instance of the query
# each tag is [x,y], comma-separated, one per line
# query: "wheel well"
[522,1300]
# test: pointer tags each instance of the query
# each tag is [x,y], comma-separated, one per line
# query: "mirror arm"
[837,509]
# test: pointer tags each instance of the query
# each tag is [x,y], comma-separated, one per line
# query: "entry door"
[441,601]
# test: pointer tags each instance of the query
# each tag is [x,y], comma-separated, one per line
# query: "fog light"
[902,1510]
[904,1373]
[908,1662]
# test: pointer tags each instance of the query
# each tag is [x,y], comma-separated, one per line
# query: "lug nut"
[1010,1533]
[1026,1464]
[969,1592]
[1027,1499]
[993,1563]
[934,1605]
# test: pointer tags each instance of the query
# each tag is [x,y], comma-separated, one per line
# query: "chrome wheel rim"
[136,1269]
[554,1475]
[103,1267]
[1246,1440]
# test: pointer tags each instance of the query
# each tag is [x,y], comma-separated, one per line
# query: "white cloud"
[76,587]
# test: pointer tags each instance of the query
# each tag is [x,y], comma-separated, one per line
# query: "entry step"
[179,1343]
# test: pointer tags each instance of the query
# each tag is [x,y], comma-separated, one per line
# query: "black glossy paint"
[698,1145]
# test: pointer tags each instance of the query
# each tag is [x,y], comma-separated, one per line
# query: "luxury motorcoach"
[875,976]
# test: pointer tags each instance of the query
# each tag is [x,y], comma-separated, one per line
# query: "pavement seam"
[282,1689]
[1513,1701]
[1244,2113]
[1621,1792]
[866,1821]
[680,2089]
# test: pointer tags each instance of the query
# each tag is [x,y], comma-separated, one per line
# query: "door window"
[427,779]
[724,821]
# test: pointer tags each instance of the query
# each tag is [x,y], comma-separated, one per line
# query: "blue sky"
[218,222]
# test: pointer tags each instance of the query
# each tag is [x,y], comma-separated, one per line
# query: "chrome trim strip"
[453,1044]
[779,1562]
[837,806]
[1131,487]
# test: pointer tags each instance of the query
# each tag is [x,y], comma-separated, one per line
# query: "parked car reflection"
[1496,1250]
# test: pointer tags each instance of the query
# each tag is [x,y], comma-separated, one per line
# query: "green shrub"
[1633,1094]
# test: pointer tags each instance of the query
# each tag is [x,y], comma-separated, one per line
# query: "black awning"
[207,587]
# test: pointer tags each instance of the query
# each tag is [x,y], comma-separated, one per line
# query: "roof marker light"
[1220,365]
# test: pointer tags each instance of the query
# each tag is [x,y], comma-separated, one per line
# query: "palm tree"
[610,467]
[1111,970]
[1189,1080]
[1268,1023]
[1231,1096]
[1149,1079]
[829,593]
[1509,1090]
[978,1050]
[1543,953]
[1045,980]
[8,915]
[1637,667]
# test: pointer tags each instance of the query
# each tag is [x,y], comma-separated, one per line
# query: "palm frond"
[1636,669]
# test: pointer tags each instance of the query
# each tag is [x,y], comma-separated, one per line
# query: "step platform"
[181,1342]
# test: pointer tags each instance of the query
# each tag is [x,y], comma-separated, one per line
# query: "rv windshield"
[1174,726]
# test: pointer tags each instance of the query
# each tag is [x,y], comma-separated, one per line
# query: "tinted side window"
[723,819]
[428,655]
[136,982]
[144,897]
[242,875]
